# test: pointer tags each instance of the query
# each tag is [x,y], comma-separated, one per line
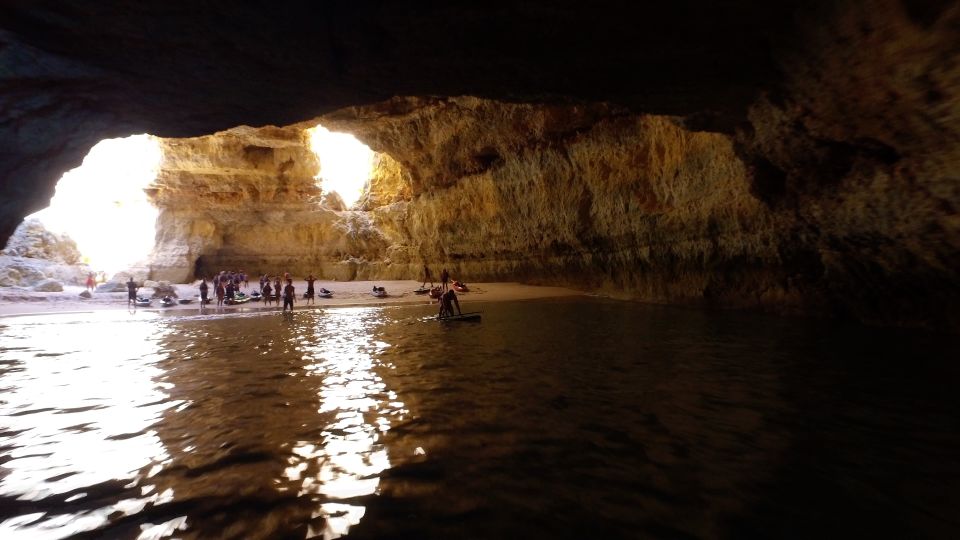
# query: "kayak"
[436,292]
[421,290]
[168,301]
[379,292]
[240,298]
[469,317]
[460,287]
[255,296]
[324,293]
[185,300]
[141,301]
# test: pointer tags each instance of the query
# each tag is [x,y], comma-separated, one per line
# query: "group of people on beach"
[428,276]
[227,285]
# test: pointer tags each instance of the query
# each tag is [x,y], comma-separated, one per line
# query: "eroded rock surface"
[34,255]
[34,241]
[797,156]
[246,199]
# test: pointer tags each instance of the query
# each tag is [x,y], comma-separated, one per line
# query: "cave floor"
[346,293]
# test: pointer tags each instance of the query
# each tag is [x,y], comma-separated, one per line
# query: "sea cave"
[750,206]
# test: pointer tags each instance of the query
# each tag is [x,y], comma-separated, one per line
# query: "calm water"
[552,419]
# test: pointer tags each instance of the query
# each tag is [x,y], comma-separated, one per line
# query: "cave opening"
[102,205]
[346,164]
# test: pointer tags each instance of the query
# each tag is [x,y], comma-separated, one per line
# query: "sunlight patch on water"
[80,420]
[350,454]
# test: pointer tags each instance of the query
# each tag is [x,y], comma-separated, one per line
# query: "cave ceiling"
[75,72]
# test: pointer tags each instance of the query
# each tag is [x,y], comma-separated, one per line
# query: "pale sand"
[346,293]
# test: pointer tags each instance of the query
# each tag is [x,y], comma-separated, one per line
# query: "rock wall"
[584,195]
[829,181]
[859,158]
[590,196]
[246,199]
[593,196]
[32,240]
[37,258]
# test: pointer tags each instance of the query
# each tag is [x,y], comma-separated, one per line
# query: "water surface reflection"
[195,426]
[550,419]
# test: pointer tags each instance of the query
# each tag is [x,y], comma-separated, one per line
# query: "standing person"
[91,282]
[444,278]
[221,292]
[310,280]
[231,291]
[277,289]
[266,291]
[447,301]
[132,292]
[288,293]
[427,276]
[203,292]
[246,279]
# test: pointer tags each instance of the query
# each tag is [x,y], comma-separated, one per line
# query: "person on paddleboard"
[447,301]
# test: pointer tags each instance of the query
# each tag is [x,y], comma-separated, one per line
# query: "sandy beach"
[346,293]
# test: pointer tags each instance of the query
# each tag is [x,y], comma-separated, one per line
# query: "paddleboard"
[475,316]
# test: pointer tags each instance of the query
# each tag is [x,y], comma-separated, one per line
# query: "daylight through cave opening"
[345,164]
[103,207]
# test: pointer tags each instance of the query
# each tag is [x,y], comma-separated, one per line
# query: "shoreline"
[346,294]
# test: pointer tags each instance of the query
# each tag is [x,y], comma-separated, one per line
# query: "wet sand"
[346,293]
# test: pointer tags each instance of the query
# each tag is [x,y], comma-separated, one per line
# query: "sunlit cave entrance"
[345,164]
[103,207]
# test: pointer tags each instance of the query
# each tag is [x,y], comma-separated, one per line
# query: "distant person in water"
[447,301]
[288,293]
[91,282]
[132,292]
[221,292]
[444,278]
[204,289]
[310,293]
[427,276]
[277,289]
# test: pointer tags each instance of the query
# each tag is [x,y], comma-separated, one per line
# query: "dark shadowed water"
[550,419]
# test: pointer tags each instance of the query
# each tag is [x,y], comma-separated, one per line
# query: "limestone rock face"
[27,272]
[246,199]
[112,286]
[789,155]
[34,241]
[860,161]
[588,195]
[591,196]
[48,285]
[74,75]
[584,195]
